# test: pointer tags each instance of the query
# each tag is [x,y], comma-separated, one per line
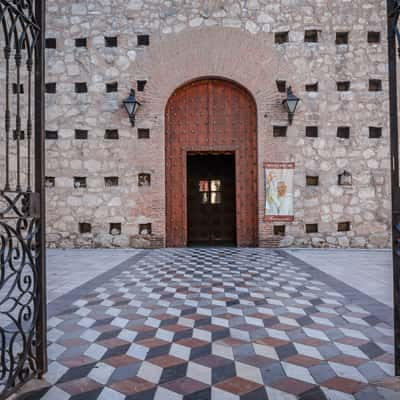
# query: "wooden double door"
[211,214]
[211,129]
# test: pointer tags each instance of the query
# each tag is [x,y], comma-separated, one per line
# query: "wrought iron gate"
[22,225]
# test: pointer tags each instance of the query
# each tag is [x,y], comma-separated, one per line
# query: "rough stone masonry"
[332,53]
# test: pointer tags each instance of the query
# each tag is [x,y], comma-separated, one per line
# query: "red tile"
[319,327]
[77,361]
[345,385]
[231,342]
[192,342]
[385,358]
[113,343]
[196,317]
[74,342]
[391,383]
[164,317]
[293,386]
[227,316]
[133,386]
[260,316]
[185,386]
[166,361]
[352,341]
[152,343]
[272,342]
[303,361]
[176,328]
[238,386]
[348,360]
[284,327]
[308,341]
[256,361]
[212,361]
[120,361]
[79,386]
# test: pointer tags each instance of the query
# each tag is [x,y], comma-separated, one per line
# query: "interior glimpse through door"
[211,199]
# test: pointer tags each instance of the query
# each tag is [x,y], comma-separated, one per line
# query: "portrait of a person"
[279,196]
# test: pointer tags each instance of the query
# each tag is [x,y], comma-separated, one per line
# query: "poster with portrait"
[279,191]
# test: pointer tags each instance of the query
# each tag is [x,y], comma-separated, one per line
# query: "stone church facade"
[204,70]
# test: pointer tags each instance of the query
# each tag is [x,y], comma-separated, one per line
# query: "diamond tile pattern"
[218,323]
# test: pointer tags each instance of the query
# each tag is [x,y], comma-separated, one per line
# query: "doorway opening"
[211,205]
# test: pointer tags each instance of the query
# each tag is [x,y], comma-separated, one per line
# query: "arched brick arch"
[211,115]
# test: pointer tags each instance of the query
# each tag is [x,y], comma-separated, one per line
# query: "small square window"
[312,87]
[345,179]
[281,37]
[51,87]
[21,135]
[52,135]
[311,36]
[375,132]
[81,42]
[112,87]
[85,227]
[144,229]
[143,40]
[80,182]
[281,85]
[374,37]
[111,181]
[141,85]
[375,85]
[279,230]
[343,226]
[15,88]
[343,86]
[115,228]
[144,179]
[81,87]
[279,131]
[51,43]
[111,41]
[312,180]
[312,131]
[342,38]
[111,134]
[81,134]
[343,132]
[143,133]
[50,181]
[311,228]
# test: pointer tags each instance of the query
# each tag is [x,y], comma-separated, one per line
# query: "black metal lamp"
[131,106]
[291,103]
[345,179]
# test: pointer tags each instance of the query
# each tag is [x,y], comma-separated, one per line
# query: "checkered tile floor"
[229,324]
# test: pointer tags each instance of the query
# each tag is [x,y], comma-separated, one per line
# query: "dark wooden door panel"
[204,116]
[211,199]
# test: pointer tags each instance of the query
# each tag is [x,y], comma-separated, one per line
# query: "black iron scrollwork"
[21,287]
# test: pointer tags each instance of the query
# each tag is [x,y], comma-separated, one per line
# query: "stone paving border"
[58,305]
[354,296]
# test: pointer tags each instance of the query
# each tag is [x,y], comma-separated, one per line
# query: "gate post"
[40,168]
[393,12]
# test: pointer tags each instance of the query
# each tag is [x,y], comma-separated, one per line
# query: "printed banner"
[279,191]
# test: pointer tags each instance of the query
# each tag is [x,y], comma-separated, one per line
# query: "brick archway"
[211,115]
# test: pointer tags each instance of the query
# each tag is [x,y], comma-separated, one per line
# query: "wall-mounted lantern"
[291,103]
[345,179]
[131,106]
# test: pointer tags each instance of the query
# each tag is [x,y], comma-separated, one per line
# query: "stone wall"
[233,40]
